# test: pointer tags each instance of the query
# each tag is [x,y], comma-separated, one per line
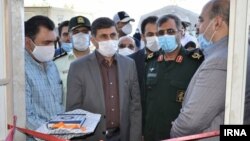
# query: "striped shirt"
[43,92]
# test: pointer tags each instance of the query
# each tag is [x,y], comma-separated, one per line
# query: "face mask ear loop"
[208,27]
[212,36]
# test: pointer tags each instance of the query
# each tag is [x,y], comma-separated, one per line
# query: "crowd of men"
[174,85]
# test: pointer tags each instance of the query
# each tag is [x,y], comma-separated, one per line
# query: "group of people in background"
[173,86]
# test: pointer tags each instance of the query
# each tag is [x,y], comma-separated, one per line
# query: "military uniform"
[166,82]
[63,64]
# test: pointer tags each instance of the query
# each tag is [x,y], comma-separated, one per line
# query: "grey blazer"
[85,91]
[204,102]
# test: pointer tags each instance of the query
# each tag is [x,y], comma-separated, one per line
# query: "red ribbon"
[10,136]
[35,134]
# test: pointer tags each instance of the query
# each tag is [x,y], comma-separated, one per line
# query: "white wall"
[12,97]
[3,93]
[237,61]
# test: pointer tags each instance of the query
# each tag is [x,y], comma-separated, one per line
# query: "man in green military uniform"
[167,78]
[79,32]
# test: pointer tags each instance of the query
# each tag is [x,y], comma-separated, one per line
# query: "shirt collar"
[29,58]
[101,58]
[214,46]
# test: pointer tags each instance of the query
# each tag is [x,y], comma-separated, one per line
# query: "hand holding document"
[71,124]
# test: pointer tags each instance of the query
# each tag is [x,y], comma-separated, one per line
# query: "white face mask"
[125,51]
[127,28]
[81,41]
[152,43]
[108,48]
[44,53]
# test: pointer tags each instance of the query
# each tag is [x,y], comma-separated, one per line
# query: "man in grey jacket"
[105,82]
[204,103]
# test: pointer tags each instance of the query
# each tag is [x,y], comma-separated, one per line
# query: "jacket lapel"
[120,81]
[95,73]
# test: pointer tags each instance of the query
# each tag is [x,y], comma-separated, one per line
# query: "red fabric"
[10,136]
[35,134]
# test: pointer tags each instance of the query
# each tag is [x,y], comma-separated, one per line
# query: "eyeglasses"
[169,31]
[131,46]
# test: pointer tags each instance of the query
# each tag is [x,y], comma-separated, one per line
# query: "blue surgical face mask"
[67,46]
[168,43]
[203,42]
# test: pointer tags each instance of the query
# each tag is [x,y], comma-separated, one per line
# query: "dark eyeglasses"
[169,31]
[131,46]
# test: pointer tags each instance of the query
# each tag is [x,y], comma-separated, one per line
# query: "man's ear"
[94,42]
[218,22]
[28,44]
[143,37]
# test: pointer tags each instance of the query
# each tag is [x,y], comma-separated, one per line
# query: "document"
[86,123]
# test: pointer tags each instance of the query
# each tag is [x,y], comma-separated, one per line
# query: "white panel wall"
[3,93]
[12,96]
[3,113]
[237,59]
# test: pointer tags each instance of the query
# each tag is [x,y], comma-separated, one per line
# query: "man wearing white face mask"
[79,30]
[79,33]
[122,21]
[43,86]
[149,52]
[126,45]
[106,82]
[167,78]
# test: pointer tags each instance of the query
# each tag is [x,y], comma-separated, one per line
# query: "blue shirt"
[43,92]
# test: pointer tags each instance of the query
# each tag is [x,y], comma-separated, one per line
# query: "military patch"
[149,56]
[180,95]
[179,59]
[80,20]
[196,55]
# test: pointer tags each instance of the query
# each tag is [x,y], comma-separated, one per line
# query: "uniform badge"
[150,55]
[196,56]
[160,58]
[179,59]
[80,20]
[180,95]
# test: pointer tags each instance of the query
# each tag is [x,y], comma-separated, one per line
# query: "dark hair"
[184,25]
[220,8]
[165,18]
[150,19]
[61,25]
[101,23]
[137,38]
[190,44]
[33,25]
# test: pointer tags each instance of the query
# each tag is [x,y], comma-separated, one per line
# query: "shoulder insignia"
[149,56]
[196,54]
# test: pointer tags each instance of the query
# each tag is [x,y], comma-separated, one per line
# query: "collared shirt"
[111,92]
[63,64]
[43,92]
